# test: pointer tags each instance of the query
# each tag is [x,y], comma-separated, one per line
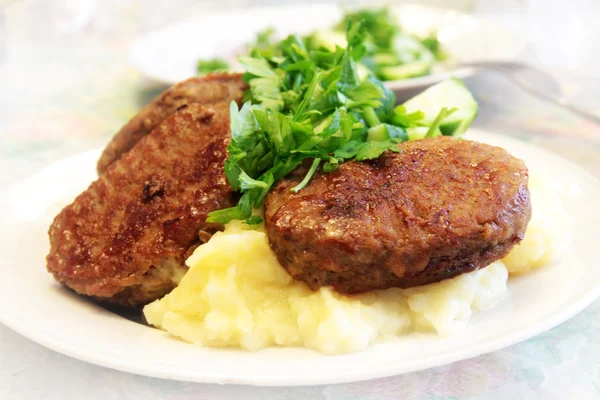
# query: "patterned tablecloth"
[63,92]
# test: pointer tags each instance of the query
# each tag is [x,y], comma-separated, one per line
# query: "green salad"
[390,53]
[307,102]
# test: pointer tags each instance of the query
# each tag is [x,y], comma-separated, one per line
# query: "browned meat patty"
[439,208]
[209,89]
[124,239]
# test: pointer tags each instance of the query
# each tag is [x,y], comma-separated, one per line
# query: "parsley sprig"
[307,104]
[215,65]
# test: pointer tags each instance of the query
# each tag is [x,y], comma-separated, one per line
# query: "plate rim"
[20,325]
[291,380]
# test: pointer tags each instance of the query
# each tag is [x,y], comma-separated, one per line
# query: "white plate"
[34,305]
[170,55]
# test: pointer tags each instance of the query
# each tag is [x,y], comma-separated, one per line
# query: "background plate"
[170,54]
[34,305]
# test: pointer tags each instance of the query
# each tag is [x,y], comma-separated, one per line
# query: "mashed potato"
[446,306]
[548,234]
[237,294]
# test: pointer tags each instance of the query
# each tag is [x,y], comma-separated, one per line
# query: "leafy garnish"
[303,104]
[254,220]
[309,103]
[365,150]
[374,35]
[388,45]
[433,44]
[378,23]
[311,172]
[207,66]
[401,118]
[434,128]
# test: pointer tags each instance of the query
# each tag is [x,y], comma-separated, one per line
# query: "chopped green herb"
[311,172]
[254,220]
[310,103]
[207,66]
[434,128]
[380,25]
[387,46]
[375,36]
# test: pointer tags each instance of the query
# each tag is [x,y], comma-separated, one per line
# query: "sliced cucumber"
[451,93]
[404,71]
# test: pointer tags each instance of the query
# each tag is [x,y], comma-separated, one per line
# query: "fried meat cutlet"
[124,240]
[438,209]
[209,89]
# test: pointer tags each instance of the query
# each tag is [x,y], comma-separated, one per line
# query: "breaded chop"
[124,240]
[438,209]
[209,89]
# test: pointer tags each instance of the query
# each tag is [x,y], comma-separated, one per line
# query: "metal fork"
[511,71]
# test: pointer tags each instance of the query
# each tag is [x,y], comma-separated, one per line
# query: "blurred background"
[66,84]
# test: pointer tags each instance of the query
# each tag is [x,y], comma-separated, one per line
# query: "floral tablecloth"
[63,93]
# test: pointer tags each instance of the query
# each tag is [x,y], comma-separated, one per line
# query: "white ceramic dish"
[34,305]
[170,55]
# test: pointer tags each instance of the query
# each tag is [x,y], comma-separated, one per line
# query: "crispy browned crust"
[439,208]
[124,237]
[209,89]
